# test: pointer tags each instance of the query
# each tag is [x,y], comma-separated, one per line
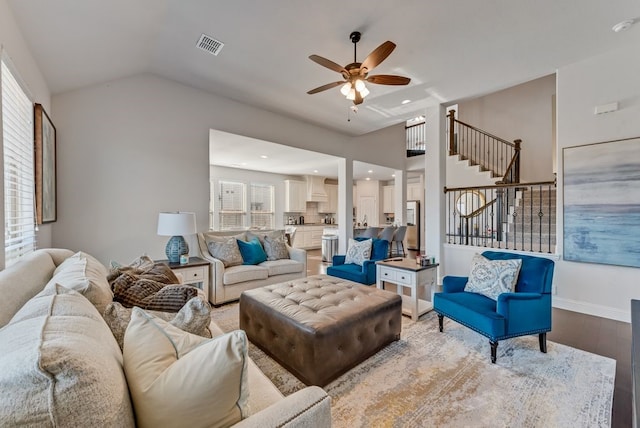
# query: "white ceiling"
[452,50]
[236,151]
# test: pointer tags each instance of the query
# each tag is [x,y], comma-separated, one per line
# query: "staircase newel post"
[516,167]
[452,122]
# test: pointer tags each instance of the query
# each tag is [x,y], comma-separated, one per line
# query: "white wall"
[133,147]
[593,288]
[521,112]
[601,290]
[15,47]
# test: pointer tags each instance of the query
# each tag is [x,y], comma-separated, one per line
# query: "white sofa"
[227,283]
[61,366]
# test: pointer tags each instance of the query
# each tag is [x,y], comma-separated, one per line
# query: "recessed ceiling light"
[406,101]
[370,171]
[264,156]
[243,164]
[315,171]
[393,175]
[622,26]
[368,178]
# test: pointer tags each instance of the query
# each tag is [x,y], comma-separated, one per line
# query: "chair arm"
[453,284]
[339,260]
[537,308]
[309,407]
[216,284]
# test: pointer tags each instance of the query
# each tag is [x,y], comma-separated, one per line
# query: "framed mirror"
[469,202]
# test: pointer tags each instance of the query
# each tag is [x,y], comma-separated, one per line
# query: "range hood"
[315,189]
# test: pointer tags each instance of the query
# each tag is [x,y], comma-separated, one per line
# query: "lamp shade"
[176,223]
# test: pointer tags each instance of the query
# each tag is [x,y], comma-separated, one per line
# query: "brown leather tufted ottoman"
[320,326]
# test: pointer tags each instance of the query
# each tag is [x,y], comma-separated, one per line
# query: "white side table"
[195,273]
[406,273]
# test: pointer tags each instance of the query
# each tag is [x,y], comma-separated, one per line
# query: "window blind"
[19,181]
[232,206]
[261,200]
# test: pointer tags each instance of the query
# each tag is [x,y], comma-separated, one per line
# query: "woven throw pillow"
[276,248]
[492,277]
[227,252]
[179,379]
[194,317]
[358,252]
[252,252]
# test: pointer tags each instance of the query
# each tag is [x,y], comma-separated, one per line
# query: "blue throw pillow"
[252,252]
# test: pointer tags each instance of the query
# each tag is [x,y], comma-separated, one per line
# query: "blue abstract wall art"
[602,203]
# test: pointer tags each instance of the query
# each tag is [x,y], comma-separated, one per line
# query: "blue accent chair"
[365,274]
[525,311]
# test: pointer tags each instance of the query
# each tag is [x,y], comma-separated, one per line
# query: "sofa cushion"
[180,379]
[19,284]
[86,275]
[194,317]
[283,266]
[252,252]
[242,273]
[61,366]
[492,277]
[358,251]
[350,271]
[226,251]
[276,248]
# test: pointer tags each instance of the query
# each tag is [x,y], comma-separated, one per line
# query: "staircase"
[531,220]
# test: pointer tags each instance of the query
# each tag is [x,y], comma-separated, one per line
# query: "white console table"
[406,273]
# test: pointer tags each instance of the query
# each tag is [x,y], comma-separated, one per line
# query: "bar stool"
[398,239]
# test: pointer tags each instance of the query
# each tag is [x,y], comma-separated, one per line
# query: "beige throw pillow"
[86,275]
[180,379]
[276,248]
[227,252]
[60,366]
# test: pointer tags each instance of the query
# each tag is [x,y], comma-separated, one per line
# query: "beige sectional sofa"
[228,282]
[61,366]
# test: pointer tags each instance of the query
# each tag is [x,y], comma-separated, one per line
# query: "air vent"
[210,44]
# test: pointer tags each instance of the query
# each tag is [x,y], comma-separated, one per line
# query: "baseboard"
[591,309]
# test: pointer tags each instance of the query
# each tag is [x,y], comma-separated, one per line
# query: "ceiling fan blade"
[324,87]
[329,64]
[378,55]
[388,79]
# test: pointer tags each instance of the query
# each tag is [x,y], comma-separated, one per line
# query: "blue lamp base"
[176,247]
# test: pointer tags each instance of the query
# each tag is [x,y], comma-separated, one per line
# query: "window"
[17,145]
[261,202]
[232,205]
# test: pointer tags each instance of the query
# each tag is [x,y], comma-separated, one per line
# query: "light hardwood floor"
[600,336]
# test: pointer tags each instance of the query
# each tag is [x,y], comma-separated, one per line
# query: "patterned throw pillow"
[358,252]
[194,317]
[227,252]
[276,248]
[492,277]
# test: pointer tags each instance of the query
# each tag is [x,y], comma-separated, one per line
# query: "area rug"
[433,379]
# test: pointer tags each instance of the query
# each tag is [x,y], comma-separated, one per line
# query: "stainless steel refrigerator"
[413,225]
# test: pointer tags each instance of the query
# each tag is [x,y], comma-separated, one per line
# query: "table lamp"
[176,224]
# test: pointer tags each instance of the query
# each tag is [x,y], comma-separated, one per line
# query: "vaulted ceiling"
[451,50]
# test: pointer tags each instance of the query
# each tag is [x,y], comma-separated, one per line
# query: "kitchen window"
[261,202]
[232,209]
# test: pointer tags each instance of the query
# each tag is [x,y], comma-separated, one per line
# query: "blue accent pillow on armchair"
[252,252]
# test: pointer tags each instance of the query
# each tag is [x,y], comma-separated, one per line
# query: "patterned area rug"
[428,379]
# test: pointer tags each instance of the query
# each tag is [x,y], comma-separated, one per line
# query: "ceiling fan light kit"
[356,74]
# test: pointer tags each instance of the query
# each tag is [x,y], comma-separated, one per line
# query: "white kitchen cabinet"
[316,236]
[295,200]
[331,206]
[308,237]
[388,195]
[415,192]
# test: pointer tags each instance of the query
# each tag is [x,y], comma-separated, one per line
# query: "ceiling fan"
[357,73]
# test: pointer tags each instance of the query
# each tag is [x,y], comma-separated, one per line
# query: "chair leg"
[440,322]
[542,337]
[494,351]
[402,245]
